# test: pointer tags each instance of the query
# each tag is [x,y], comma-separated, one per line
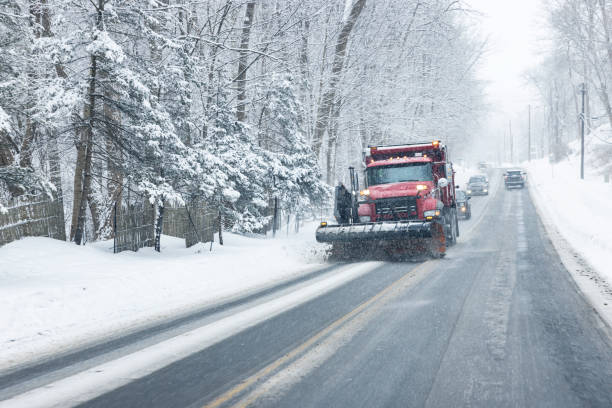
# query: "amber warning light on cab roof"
[378,153]
[380,149]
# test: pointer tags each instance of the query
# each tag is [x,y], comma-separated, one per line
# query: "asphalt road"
[498,322]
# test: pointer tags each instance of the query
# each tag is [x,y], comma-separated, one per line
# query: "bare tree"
[242,61]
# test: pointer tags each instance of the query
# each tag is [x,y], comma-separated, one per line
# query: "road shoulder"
[590,282]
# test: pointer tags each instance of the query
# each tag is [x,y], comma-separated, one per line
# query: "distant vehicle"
[463,205]
[514,178]
[478,185]
[483,166]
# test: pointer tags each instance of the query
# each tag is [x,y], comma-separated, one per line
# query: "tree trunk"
[56,178]
[220,226]
[78,178]
[27,146]
[94,209]
[323,112]
[159,224]
[212,65]
[606,26]
[332,143]
[88,138]
[304,83]
[6,155]
[84,193]
[114,184]
[242,61]
[41,11]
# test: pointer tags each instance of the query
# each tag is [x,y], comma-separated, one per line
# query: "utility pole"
[511,142]
[583,92]
[529,133]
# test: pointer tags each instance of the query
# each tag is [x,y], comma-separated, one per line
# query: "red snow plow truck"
[406,208]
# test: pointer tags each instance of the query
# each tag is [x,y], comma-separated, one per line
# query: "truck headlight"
[431,213]
[365,218]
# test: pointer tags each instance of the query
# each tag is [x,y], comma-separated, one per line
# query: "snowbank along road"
[498,322]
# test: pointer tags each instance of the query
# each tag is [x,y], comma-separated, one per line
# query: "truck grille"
[396,208]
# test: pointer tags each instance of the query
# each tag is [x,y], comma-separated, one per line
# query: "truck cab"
[411,182]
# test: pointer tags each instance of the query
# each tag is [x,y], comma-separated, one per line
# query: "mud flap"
[438,242]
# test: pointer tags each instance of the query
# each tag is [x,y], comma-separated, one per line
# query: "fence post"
[275,220]
[115,229]
[220,227]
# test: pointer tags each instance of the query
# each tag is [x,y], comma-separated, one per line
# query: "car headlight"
[463,209]
[365,218]
[485,190]
[469,191]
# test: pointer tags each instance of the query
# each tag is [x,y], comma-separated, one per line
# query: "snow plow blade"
[379,231]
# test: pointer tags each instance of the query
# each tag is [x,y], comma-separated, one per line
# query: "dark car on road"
[463,205]
[478,185]
[514,178]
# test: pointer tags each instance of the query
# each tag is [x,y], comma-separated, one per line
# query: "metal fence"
[37,216]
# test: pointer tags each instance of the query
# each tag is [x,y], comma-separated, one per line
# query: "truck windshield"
[399,173]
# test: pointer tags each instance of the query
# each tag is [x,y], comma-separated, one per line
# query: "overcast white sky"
[517,40]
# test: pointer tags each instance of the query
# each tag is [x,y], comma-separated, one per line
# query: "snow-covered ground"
[580,210]
[55,295]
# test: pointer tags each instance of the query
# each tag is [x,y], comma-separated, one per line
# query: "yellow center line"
[232,393]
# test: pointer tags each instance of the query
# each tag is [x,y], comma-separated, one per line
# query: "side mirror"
[469,197]
[442,183]
[456,186]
